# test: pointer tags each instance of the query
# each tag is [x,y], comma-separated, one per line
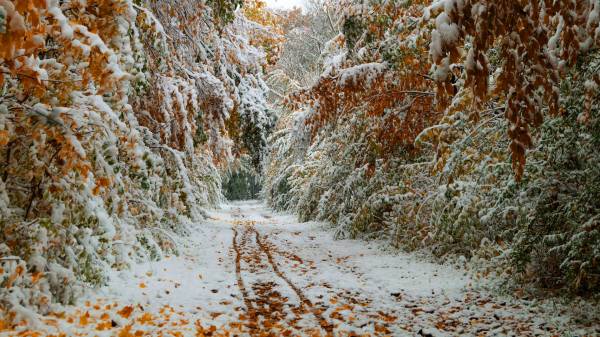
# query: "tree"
[532,41]
[112,134]
[402,136]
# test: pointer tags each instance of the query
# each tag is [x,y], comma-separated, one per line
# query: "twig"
[9,147]
[427,77]
[39,79]
[418,93]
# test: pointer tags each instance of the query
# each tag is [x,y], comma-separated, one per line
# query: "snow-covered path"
[250,272]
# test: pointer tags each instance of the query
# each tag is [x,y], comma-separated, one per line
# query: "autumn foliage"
[534,42]
[112,134]
[418,130]
[466,127]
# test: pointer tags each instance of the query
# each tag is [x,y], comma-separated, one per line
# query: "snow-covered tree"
[403,135]
[113,134]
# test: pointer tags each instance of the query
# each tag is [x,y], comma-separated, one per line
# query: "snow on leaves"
[112,133]
[533,42]
[403,136]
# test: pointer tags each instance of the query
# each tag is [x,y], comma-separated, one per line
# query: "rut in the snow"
[316,312]
[265,309]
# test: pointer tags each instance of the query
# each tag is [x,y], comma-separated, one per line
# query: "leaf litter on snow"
[352,287]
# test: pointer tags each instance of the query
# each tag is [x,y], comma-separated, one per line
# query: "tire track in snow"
[304,300]
[265,305]
[250,253]
[240,281]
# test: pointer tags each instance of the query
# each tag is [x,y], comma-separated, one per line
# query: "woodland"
[463,130]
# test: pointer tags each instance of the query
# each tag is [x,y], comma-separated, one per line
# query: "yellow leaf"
[146,318]
[125,332]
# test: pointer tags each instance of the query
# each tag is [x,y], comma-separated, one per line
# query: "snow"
[3,20]
[66,29]
[448,31]
[357,286]
[366,72]
[286,4]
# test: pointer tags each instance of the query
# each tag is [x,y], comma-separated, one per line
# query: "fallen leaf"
[126,311]
[84,319]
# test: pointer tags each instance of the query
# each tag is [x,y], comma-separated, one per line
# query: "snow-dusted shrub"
[453,182]
[356,124]
[286,153]
[112,135]
[559,243]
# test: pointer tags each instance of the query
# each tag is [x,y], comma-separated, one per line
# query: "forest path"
[251,272]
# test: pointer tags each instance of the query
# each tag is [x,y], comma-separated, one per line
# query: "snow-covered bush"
[559,243]
[112,134]
[369,149]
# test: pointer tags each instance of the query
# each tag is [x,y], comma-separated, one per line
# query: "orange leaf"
[36,277]
[84,319]
[126,311]
[96,190]
[103,326]
[146,318]
[103,182]
[4,137]
[22,5]
[125,332]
